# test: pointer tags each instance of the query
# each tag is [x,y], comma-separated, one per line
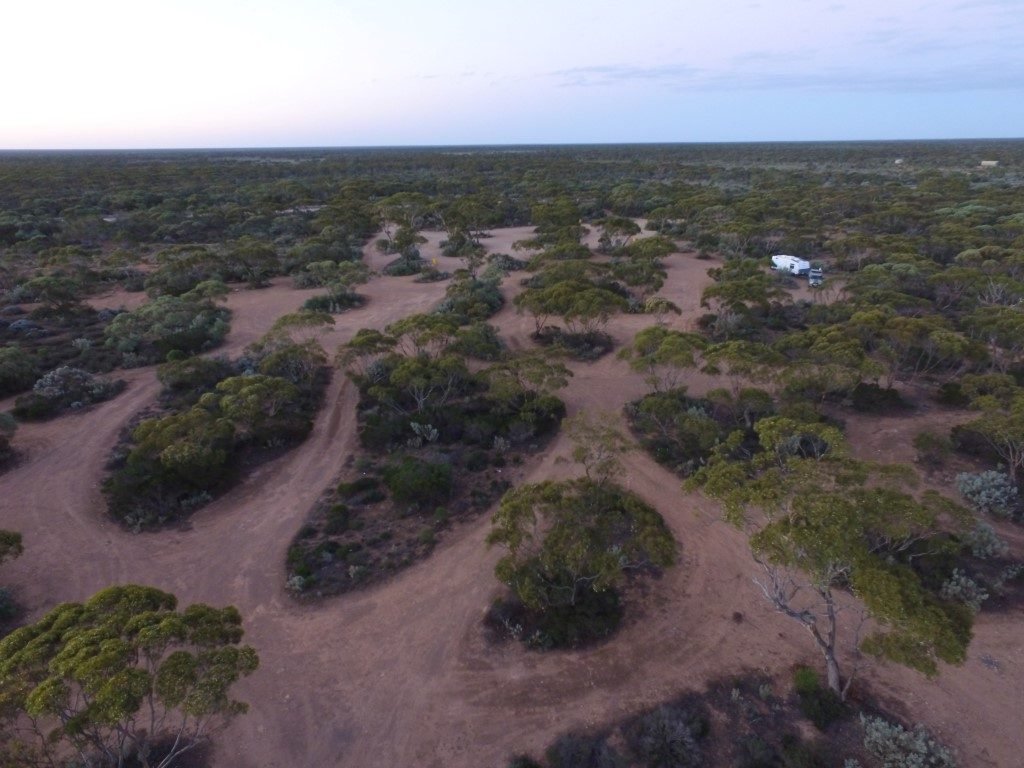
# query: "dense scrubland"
[663,505]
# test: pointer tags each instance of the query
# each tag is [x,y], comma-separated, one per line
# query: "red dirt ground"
[401,674]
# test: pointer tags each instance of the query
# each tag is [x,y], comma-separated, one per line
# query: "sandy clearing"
[118,298]
[401,674]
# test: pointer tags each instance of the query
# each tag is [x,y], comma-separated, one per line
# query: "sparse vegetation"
[219,417]
[917,327]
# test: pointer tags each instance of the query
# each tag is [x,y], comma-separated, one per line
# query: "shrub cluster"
[18,370]
[570,547]
[327,273]
[479,341]
[579,345]
[414,481]
[961,587]
[186,324]
[63,389]
[873,398]
[578,750]
[181,269]
[505,263]
[338,299]
[985,543]
[333,244]
[186,379]
[173,463]
[668,736]
[897,747]
[7,428]
[464,407]
[468,299]
[672,735]
[990,492]
[408,263]
[593,617]
[681,431]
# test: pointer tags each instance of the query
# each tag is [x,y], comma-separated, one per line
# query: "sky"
[259,73]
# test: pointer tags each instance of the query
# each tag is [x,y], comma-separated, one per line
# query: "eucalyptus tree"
[836,540]
[123,678]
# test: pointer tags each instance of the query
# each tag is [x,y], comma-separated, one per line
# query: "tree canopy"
[834,536]
[124,675]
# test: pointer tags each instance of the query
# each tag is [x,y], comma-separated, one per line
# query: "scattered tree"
[123,676]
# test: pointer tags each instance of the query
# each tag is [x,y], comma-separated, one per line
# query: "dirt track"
[401,675]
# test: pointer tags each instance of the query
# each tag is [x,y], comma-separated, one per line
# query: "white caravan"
[790,264]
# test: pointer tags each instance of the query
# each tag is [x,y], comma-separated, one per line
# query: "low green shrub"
[668,736]
[185,380]
[418,482]
[470,299]
[932,449]
[593,617]
[972,443]
[479,341]
[677,430]
[406,264]
[873,398]
[574,750]
[798,754]
[358,487]
[8,605]
[18,370]
[431,274]
[523,761]
[505,262]
[338,518]
[585,346]
[951,393]
[335,301]
[820,705]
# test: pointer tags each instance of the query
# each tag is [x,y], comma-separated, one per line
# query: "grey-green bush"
[897,747]
[962,587]
[985,543]
[990,492]
[64,388]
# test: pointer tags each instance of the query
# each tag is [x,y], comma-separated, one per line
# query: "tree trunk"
[832,673]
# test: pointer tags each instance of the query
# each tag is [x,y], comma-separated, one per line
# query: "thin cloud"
[988,75]
[618,73]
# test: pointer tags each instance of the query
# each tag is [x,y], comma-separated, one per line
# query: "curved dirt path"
[401,674]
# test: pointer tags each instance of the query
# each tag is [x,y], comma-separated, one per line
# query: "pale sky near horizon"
[259,73]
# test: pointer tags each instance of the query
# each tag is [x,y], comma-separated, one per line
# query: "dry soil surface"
[401,674]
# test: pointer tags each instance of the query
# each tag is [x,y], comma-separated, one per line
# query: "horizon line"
[348,147]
